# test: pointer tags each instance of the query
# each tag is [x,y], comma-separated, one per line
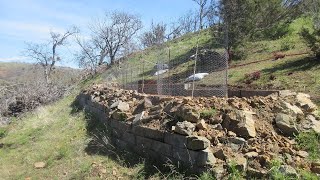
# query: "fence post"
[142,85]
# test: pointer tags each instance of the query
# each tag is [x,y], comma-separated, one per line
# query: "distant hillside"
[23,72]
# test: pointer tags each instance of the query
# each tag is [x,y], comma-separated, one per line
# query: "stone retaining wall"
[157,145]
[250,93]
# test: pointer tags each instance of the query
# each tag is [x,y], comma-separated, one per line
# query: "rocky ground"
[250,132]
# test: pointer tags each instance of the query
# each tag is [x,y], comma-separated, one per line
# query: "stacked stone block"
[157,145]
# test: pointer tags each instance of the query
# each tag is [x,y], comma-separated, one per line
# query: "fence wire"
[164,75]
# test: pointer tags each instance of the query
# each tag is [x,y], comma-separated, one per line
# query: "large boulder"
[292,109]
[303,101]
[197,143]
[311,124]
[241,122]
[188,114]
[286,124]
[184,128]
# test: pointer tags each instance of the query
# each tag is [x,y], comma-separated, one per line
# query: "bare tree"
[46,54]
[175,31]
[213,17]
[155,36]
[112,32]
[87,57]
[188,22]
[202,11]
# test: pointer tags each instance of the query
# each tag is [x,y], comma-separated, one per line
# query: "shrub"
[239,53]
[249,78]
[312,39]
[208,113]
[234,173]
[3,132]
[287,43]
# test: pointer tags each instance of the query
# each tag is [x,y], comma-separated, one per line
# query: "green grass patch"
[208,113]
[306,175]
[3,132]
[274,170]
[275,174]
[234,172]
[310,142]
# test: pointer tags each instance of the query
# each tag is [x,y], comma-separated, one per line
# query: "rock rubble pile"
[250,132]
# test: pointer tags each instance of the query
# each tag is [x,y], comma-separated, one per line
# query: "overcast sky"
[31,20]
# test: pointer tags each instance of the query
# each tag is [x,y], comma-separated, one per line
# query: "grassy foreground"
[58,137]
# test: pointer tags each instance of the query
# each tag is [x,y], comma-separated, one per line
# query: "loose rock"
[137,120]
[197,143]
[303,101]
[202,125]
[184,128]
[239,161]
[303,154]
[39,165]
[188,114]
[288,170]
[286,124]
[251,155]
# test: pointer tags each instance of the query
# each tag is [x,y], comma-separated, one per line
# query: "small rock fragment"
[292,109]
[303,101]
[256,173]
[221,154]
[202,125]
[123,106]
[39,165]
[137,120]
[251,155]
[237,140]
[288,170]
[239,161]
[147,103]
[303,154]
[231,134]
[286,93]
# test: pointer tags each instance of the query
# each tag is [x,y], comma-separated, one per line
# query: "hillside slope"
[297,71]
[24,72]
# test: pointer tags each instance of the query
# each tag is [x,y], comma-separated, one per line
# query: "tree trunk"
[201,14]
[46,75]
[112,59]
[229,54]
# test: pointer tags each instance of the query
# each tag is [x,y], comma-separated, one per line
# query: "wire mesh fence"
[200,72]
